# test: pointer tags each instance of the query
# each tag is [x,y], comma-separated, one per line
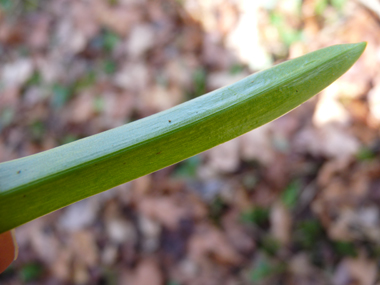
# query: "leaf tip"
[358,47]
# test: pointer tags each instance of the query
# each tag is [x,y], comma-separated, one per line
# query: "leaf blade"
[47,181]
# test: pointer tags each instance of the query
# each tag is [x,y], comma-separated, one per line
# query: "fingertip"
[8,249]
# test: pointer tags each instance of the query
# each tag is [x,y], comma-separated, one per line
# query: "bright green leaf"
[39,184]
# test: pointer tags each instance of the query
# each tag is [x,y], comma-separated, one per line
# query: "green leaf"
[261,271]
[39,184]
[188,168]
[344,248]
[365,153]
[338,4]
[110,40]
[270,245]
[321,6]
[257,215]
[290,194]
[309,233]
[6,117]
[264,269]
[199,81]
[61,95]
[31,272]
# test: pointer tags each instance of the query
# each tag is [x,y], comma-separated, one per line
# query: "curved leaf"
[39,184]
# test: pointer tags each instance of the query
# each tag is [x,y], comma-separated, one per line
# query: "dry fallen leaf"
[169,211]
[119,19]
[256,144]
[360,271]
[82,108]
[151,231]
[45,244]
[80,273]
[281,223]
[16,73]
[248,49]
[79,215]
[132,76]
[158,98]
[38,38]
[85,248]
[118,106]
[61,266]
[329,109]
[374,101]
[207,242]
[331,141]
[146,273]
[219,79]
[140,40]
[356,225]
[121,231]
[225,157]
[163,209]
[237,236]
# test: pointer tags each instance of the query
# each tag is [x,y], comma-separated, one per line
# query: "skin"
[8,249]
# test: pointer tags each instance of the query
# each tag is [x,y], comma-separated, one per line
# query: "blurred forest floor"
[293,202]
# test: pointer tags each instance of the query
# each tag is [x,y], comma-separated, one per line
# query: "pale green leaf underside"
[39,184]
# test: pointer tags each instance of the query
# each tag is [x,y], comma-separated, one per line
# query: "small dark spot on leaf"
[18,172]
[296,90]
[158,152]
[23,196]
[123,163]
